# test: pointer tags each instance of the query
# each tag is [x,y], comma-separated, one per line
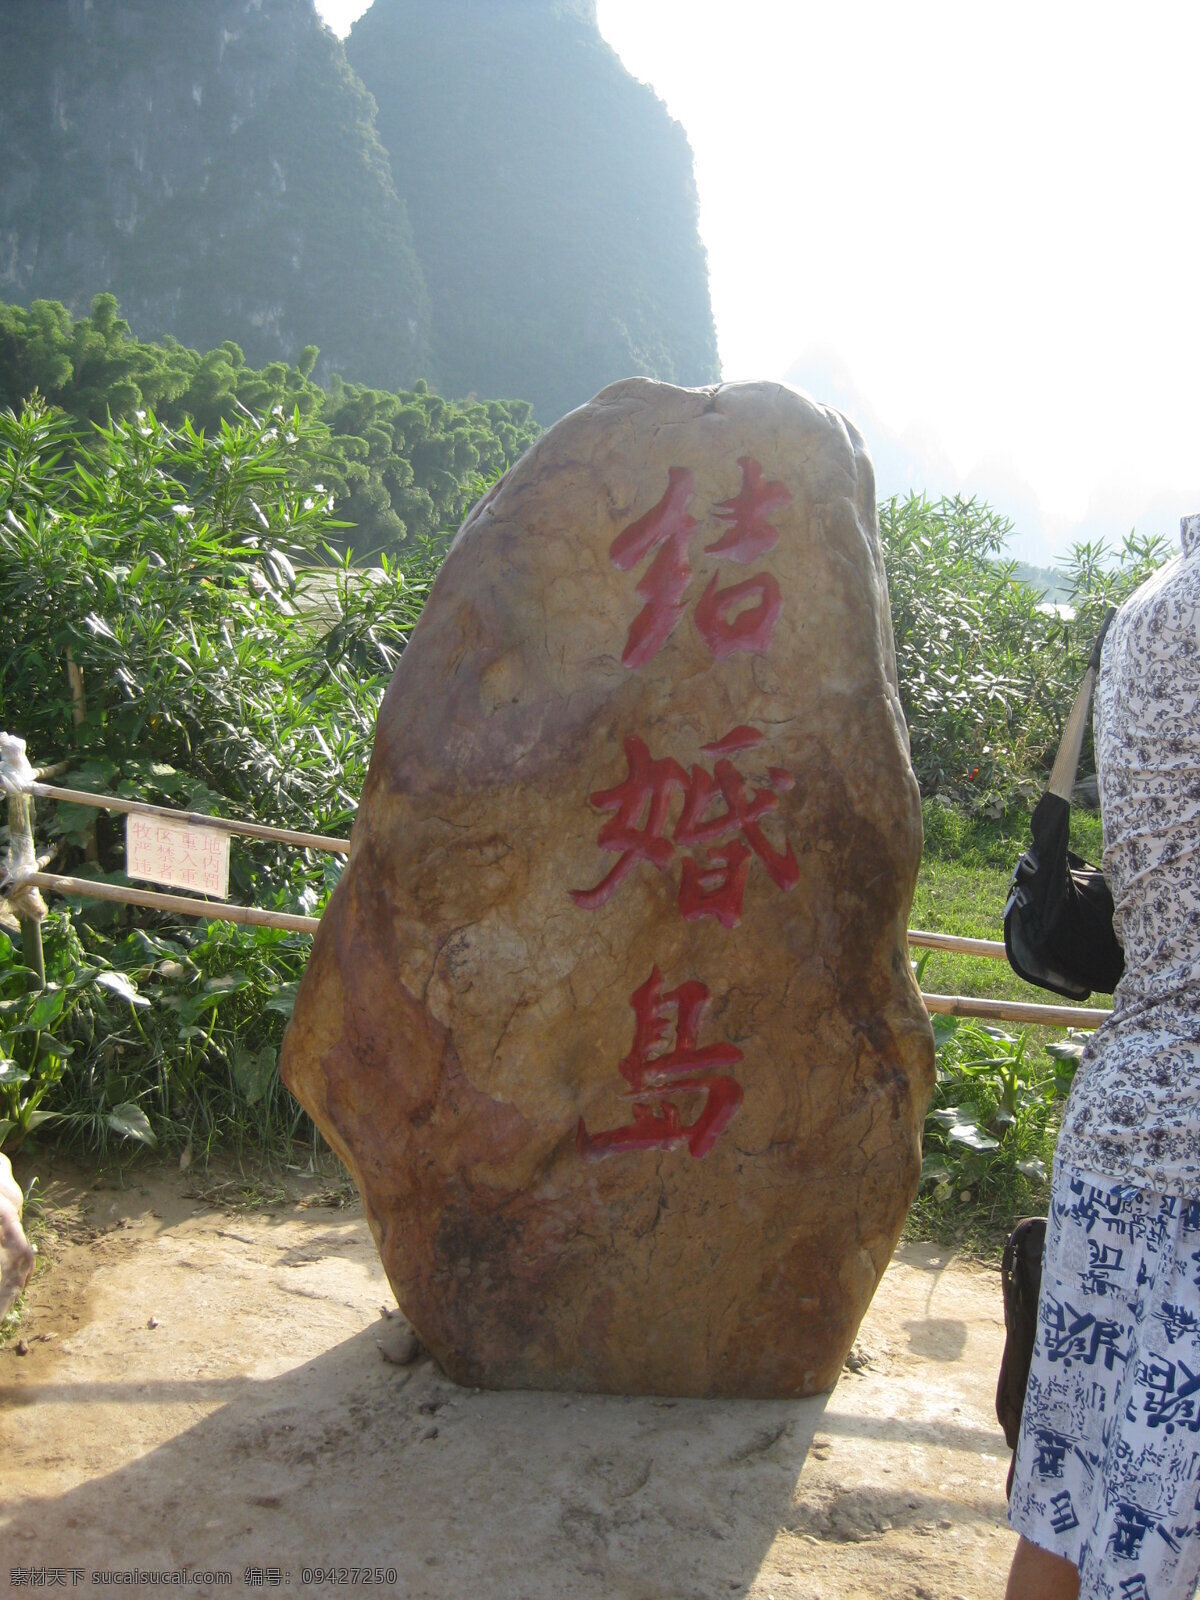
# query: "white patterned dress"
[1108,1465]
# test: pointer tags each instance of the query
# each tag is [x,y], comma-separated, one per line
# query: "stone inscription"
[660,1065]
[712,817]
[740,616]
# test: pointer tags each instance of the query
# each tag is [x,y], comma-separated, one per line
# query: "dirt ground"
[200,1386]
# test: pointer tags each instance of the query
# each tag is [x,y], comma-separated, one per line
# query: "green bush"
[400,465]
[990,1132]
[986,676]
[188,580]
[224,662]
[175,626]
[42,1030]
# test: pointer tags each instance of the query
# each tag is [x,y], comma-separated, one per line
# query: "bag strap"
[1066,762]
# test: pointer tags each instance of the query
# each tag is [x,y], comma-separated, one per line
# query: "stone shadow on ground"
[347,1461]
[174,1400]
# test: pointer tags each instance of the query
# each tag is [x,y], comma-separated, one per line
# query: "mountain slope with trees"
[219,168]
[215,165]
[551,197]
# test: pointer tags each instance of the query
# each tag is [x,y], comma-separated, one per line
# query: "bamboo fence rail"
[250,830]
[959,1005]
[952,941]
[253,916]
[185,905]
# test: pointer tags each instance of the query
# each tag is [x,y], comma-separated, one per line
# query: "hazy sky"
[973,228]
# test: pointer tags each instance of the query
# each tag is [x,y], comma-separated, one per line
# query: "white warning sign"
[182,854]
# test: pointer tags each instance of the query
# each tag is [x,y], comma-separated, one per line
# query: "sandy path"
[204,1389]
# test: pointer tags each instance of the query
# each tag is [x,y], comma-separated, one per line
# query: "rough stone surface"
[616,1030]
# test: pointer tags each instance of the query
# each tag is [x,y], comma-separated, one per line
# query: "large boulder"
[611,1015]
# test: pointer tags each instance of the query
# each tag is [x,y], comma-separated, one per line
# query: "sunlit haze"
[971,228]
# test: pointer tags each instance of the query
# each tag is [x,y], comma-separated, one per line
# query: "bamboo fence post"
[91,849]
[30,908]
[25,901]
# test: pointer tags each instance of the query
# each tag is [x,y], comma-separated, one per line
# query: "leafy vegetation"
[42,1030]
[162,564]
[400,466]
[156,632]
[989,1135]
[173,625]
[986,676]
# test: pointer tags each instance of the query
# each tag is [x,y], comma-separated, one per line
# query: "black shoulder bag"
[1021,1282]
[1058,923]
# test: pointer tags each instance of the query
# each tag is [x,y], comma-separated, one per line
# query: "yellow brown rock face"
[611,1016]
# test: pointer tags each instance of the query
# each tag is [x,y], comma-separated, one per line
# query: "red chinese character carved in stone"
[715,887]
[656,1070]
[638,829]
[750,535]
[723,841]
[727,621]
[725,629]
[666,528]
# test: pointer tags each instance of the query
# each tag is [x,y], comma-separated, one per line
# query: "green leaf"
[284,998]
[95,775]
[1065,1049]
[54,1049]
[192,1008]
[11,1074]
[99,627]
[253,1074]
[131,1122]
[944,1028]
[72,822]
[47,1009]
[152,944]
[117,983]
[228,983]
[949,1116]
[970,1134]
